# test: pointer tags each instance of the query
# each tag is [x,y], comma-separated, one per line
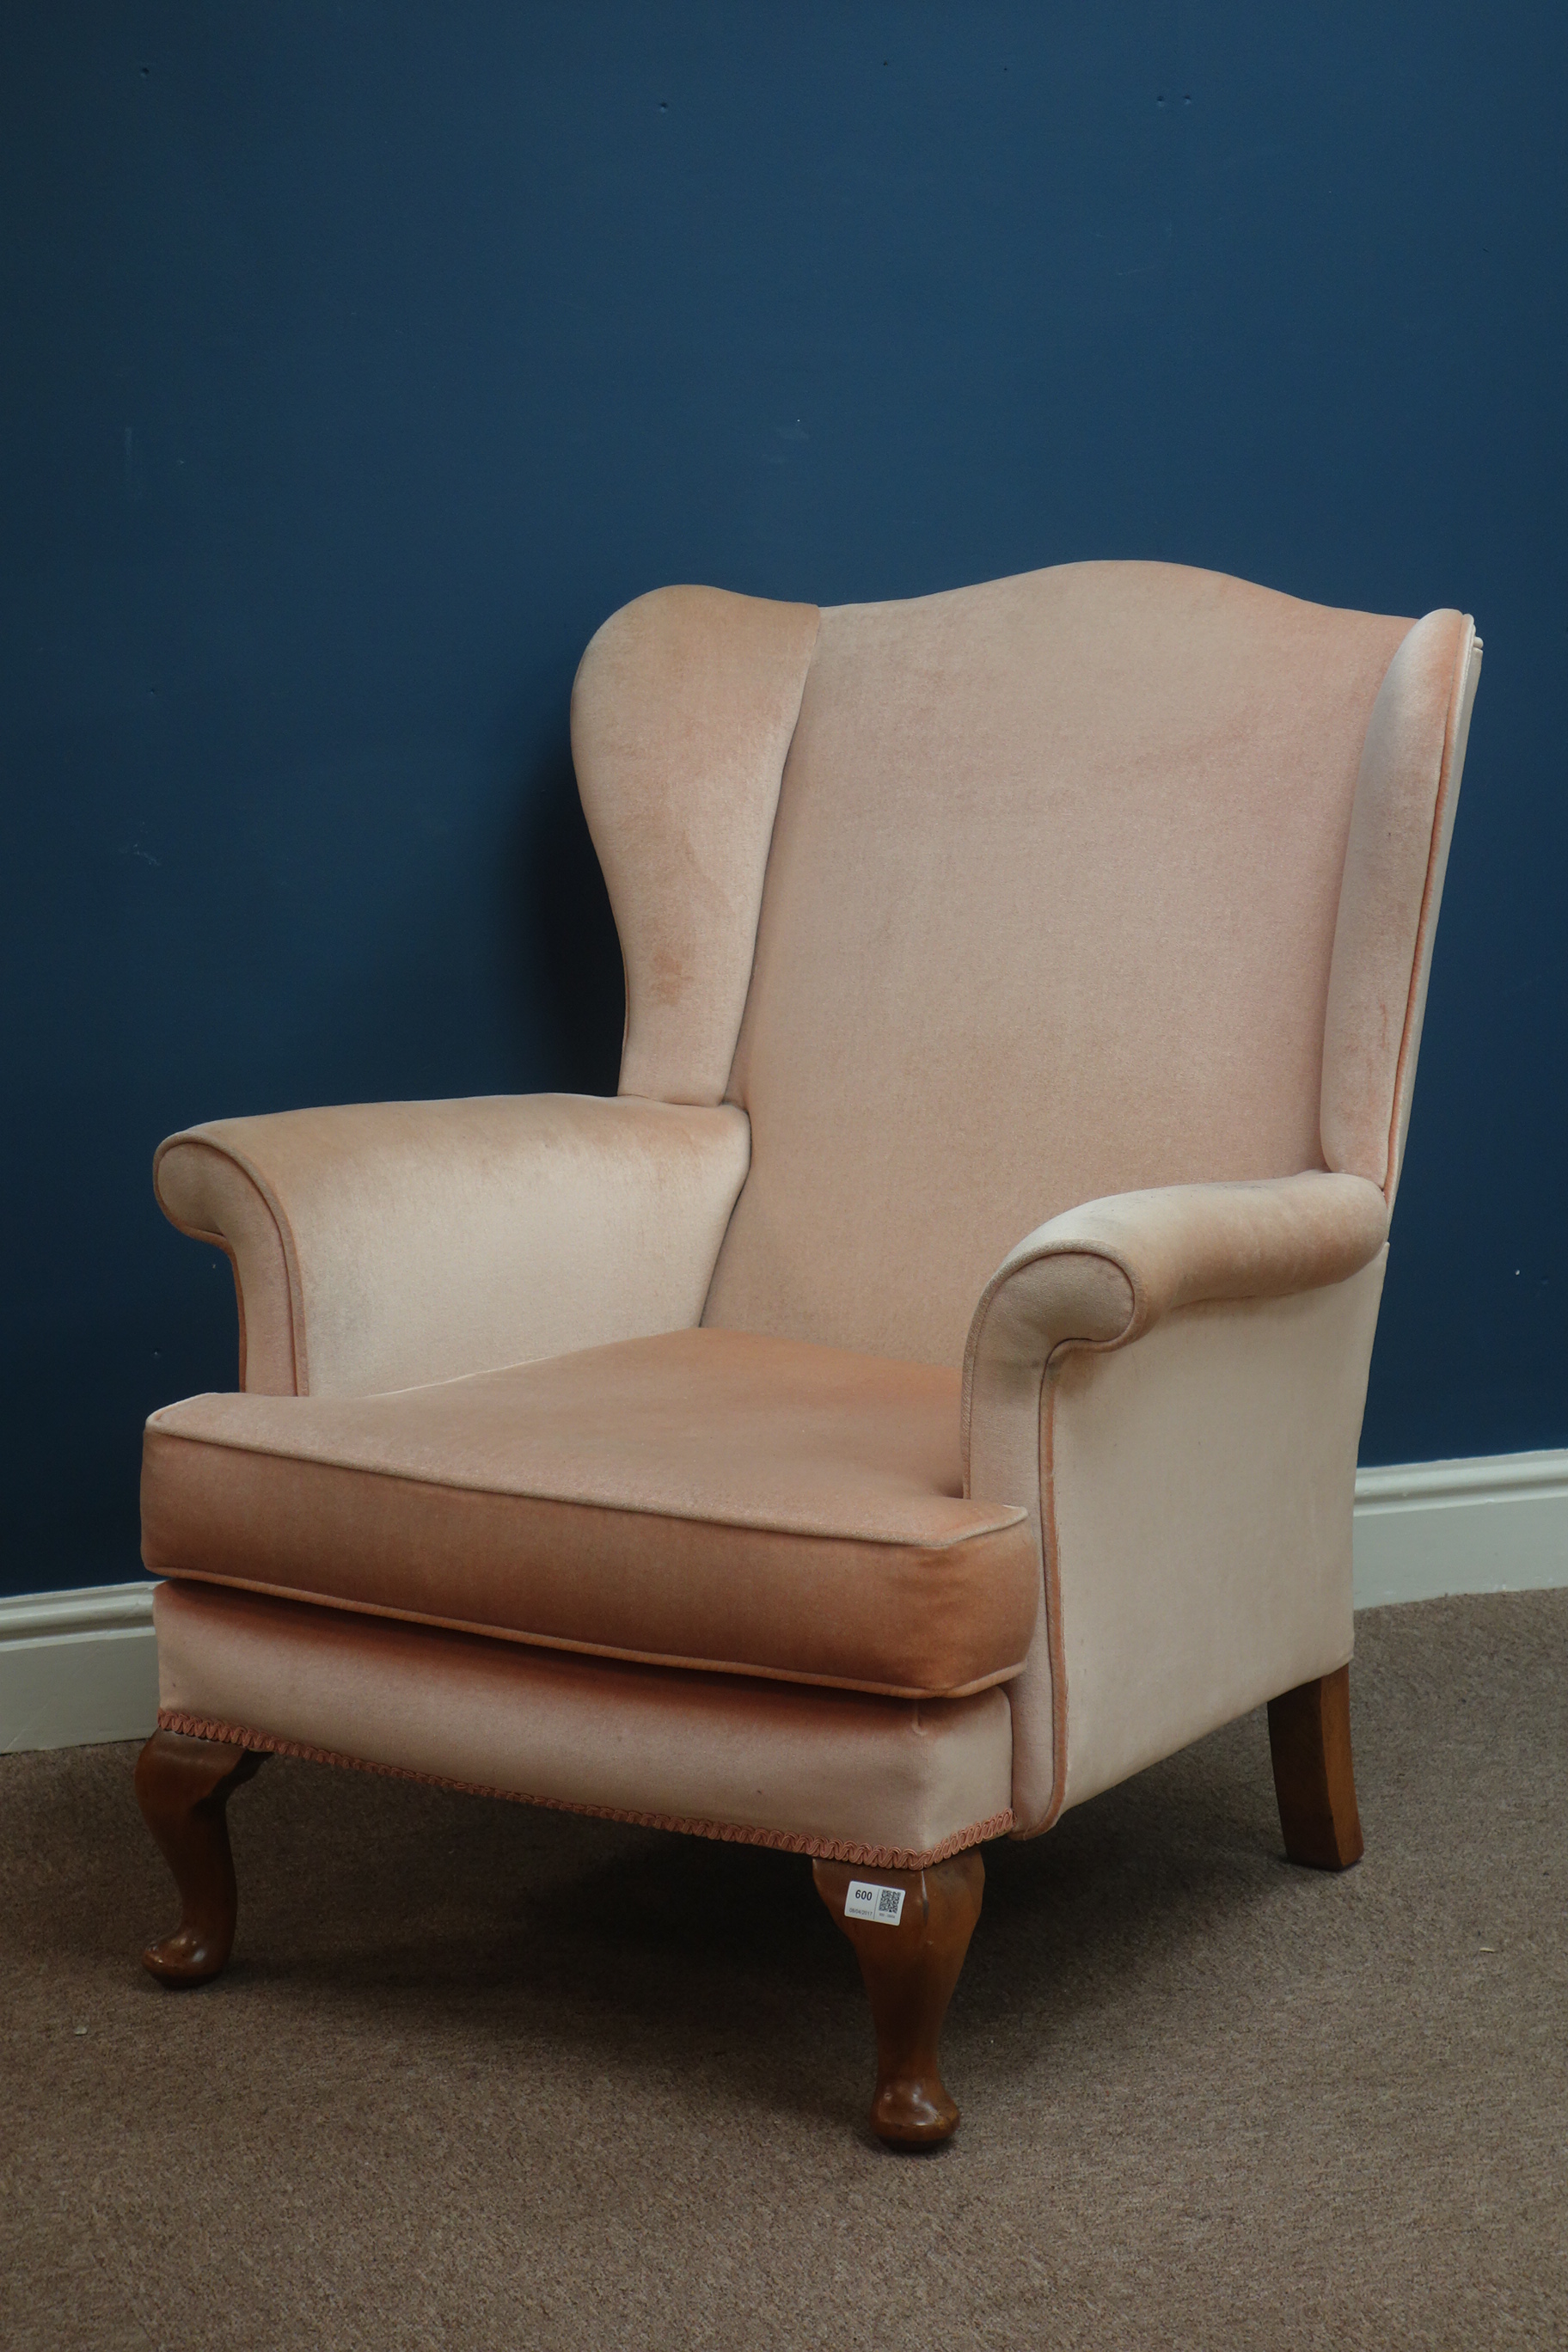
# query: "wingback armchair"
[928,1393]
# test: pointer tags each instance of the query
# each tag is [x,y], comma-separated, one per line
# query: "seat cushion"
[703,1498]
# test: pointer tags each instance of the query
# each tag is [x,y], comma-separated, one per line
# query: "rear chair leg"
[1309,1734]
[911,1968]
[183,1787]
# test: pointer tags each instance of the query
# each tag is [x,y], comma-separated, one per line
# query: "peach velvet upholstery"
[1048,916]
[384,1244]
[888,1782]
[681,714]
[1093,907]
[705,1498]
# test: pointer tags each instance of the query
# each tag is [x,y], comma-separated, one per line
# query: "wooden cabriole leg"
[910,1969]
[1309,1734]
[184,1786]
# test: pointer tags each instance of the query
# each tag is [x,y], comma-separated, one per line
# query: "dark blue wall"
[358,359]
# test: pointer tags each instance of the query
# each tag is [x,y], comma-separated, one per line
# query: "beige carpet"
[485,2076]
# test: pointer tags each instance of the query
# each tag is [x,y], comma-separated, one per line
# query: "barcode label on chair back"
[866,1901]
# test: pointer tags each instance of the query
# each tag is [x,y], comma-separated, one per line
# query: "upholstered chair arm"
[1100,1275]
[379,1245]
[1191,1493]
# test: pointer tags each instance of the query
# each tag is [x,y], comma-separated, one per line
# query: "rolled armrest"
[1269,1401]
[1100,1275]
[379,1245]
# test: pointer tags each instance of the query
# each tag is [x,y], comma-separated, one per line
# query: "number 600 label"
[865,1901]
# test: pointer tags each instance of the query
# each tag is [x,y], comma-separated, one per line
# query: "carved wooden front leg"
[911,1952]
[183,1787]
[1309,1734]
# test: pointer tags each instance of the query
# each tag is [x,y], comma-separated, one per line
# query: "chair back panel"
[1048,913]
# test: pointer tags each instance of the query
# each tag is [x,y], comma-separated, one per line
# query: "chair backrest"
[991,902]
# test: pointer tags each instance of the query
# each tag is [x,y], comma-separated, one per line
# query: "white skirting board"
[1497,1524]
[80,1666]
[76,1667]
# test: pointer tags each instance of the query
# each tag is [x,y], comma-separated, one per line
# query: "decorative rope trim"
[869,1857]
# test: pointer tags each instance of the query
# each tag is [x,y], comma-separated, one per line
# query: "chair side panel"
[1200,1512]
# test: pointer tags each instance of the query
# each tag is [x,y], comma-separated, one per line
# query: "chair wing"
[681,716]
[1406,793]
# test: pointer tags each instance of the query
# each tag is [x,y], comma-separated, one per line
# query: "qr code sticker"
[866,1900]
